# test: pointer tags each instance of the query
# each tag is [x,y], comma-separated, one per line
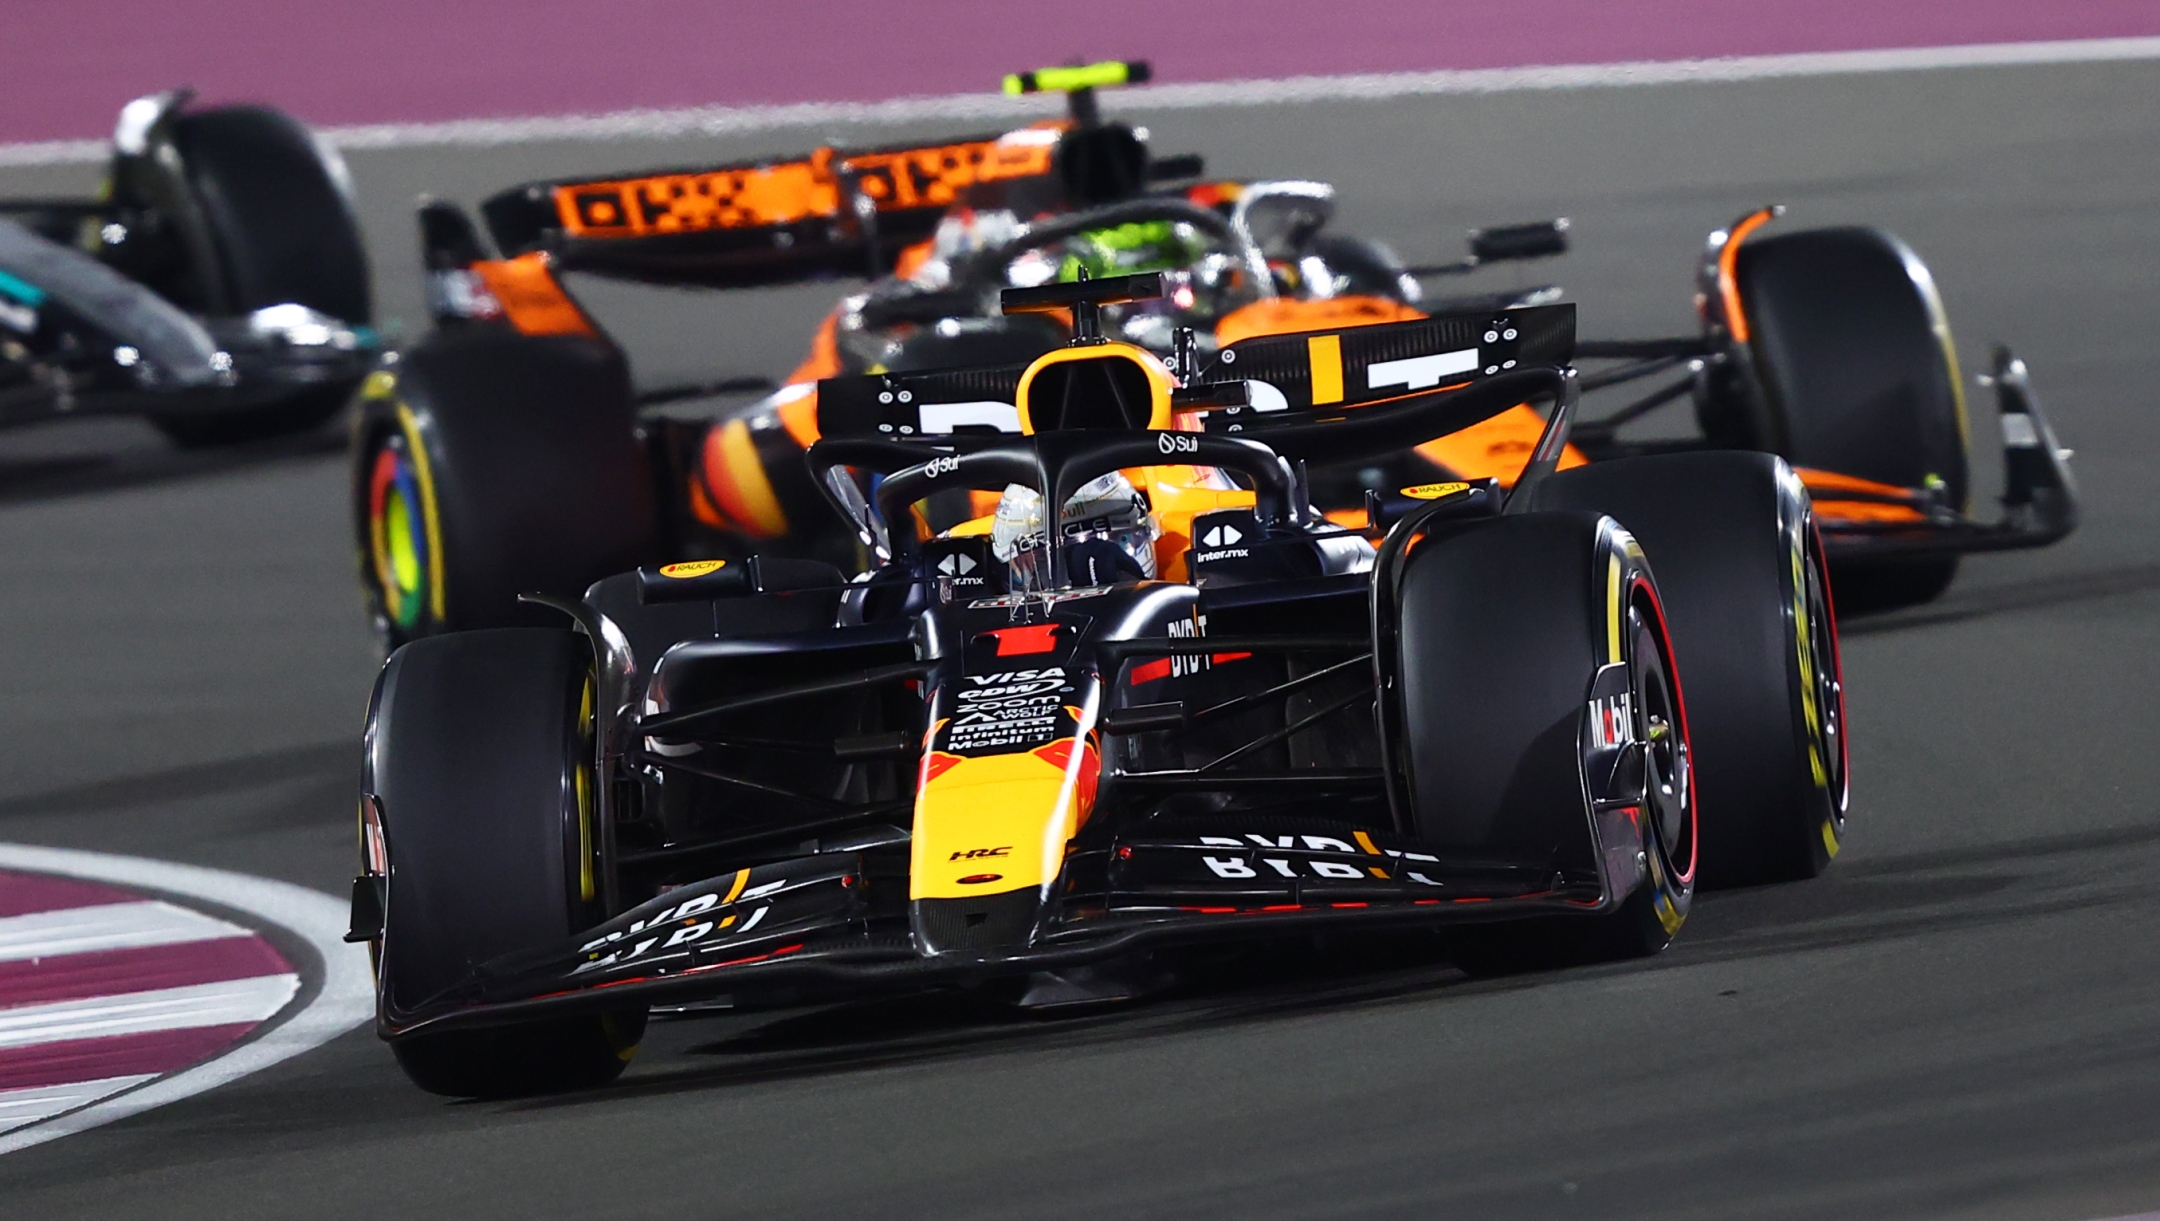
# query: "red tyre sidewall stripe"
[1837,664]
[1672,675]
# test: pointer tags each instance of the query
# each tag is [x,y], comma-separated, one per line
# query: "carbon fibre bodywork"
[1128,876]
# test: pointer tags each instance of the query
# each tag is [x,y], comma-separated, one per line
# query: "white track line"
[107,926]
[740,120]
[189,1007]
[345,1000]
[33,1103]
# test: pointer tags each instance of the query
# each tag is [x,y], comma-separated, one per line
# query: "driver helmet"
[1106,523]
[1205,280]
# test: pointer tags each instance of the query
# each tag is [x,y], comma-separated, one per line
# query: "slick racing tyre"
[491,465]
[267,215]
[279,210]
[1741,567]
[1854,357]
[480,765]
[1525,612]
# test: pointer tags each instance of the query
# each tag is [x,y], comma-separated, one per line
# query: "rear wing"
[1303,377]
[771,221]
[830,212]
[1251,386]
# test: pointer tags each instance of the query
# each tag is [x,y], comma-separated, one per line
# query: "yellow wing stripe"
[1612,610]
[1324,353]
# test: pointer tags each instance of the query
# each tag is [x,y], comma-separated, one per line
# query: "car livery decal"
[779,193]
[1009,777]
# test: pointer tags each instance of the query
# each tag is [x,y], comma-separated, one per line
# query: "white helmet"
[1107,509]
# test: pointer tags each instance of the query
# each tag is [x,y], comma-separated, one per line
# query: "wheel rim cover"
[397,536]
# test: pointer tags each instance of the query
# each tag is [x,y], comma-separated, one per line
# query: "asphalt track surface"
[1958,1021]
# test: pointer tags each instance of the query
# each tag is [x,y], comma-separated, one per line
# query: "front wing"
[834,924]
[1861,520]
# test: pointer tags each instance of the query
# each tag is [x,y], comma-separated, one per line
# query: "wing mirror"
[1506,244]
[1513,242]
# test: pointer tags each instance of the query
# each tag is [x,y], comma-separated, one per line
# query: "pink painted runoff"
[70,66]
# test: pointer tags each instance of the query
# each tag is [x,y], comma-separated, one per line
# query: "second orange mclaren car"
[512,450]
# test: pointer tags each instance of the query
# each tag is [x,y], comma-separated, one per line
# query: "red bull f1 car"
[216,284]
[1152,699]
[512,451]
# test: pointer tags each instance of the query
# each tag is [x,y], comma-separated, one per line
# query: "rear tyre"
[1853,353]
[278,209]
[269,220]
[480,761]
[1741,568]
[1533,607]
[496,465]
[1881,585]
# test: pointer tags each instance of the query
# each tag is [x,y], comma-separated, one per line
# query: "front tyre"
[480,764]
[1534,611]
[537,1057]
[1853,353]
[266,214]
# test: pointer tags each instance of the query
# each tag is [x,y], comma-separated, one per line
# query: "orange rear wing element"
[759,196]
[828,211]
[763,222]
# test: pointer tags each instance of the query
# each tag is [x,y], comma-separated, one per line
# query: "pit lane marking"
[150,983]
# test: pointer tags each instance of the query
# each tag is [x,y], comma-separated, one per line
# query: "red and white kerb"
[103,989]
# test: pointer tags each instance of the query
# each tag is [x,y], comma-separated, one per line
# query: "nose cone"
[977,924]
